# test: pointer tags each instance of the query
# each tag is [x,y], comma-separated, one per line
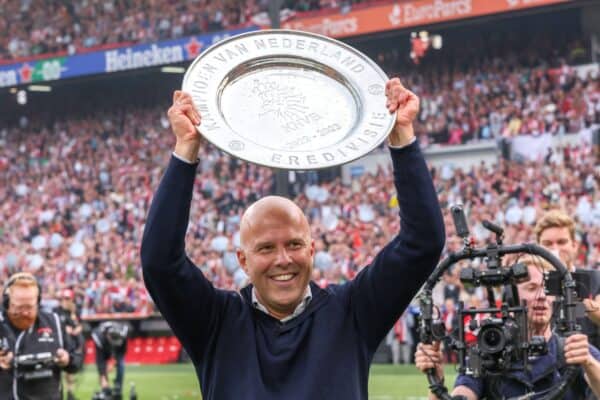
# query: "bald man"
[283,337]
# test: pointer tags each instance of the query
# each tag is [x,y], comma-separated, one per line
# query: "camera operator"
[556,232]
[35,346]
[110,339]
[67,312]
[546,369]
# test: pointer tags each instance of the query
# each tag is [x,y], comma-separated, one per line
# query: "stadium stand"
[76,27]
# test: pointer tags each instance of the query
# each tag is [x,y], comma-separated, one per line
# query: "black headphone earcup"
[5,299]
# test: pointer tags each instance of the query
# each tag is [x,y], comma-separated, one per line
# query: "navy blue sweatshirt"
[242,353]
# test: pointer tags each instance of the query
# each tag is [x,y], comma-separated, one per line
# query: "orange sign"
[407,14]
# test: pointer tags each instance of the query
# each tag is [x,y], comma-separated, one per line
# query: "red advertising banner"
[407,14]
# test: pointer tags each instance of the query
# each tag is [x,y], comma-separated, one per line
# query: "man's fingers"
[392,85]
[185,102]
[176,95]
[185,97]
[394,82]
[576,352]
[189,111]
[392,106]
[577,338]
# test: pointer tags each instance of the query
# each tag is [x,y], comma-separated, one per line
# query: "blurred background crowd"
[81,26]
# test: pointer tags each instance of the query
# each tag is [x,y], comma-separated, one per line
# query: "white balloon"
[39,242]
[240,278]
[236,239]
[56,240]
[330,221]
[219,243]
[366,213]
[77,249]
[11,260]
[85,210]
[102,225]
[35,261]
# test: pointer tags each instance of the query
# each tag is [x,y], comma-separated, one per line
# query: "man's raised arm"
[384,289]
[185,298]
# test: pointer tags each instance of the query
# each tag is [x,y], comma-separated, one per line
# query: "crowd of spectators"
[76,193]
[473,93]
[38,27]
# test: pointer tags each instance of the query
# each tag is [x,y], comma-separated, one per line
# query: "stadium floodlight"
[39,88]
[22,97]
[172,70]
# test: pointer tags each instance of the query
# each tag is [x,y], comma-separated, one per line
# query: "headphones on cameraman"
[19,276]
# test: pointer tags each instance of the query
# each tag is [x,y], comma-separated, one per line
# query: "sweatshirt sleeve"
[381,291]
[75,354]
[186,299]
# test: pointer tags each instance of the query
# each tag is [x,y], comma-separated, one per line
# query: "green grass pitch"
[178,382]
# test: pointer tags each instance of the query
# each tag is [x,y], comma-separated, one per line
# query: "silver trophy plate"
[289,99]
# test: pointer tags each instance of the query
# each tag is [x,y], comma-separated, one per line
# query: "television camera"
[503,343]
[34,366]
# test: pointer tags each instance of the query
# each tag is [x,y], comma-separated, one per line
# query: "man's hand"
[6,360]
[184,118]
[592,309]
[577,350]
[62,358]
[429,356]
[406,104]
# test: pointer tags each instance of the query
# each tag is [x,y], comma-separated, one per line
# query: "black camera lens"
[491,339]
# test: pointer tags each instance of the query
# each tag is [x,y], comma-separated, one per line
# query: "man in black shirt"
[67,312]
[36,349]
[110,339]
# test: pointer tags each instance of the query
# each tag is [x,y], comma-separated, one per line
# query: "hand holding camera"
[6,358]
[62,358]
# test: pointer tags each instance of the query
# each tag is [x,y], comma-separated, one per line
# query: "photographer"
[35,346]
[110,339]
[545,370]
[556,232]
[67,312]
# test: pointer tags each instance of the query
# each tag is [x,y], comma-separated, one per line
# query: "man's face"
[23,307]
[277,254]
[539,306]
[559,240]
[65,302]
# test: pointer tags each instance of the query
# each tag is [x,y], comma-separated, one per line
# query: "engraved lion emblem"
[285,103]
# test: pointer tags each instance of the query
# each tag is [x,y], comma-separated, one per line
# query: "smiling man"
[277,255]
[282,336]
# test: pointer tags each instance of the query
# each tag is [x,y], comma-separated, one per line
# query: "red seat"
[173,349]
[148,350]
[90,352]
[134,350]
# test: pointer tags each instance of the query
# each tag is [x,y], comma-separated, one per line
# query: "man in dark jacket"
[69,318]
[110,339]
[36,347]
[283,337]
